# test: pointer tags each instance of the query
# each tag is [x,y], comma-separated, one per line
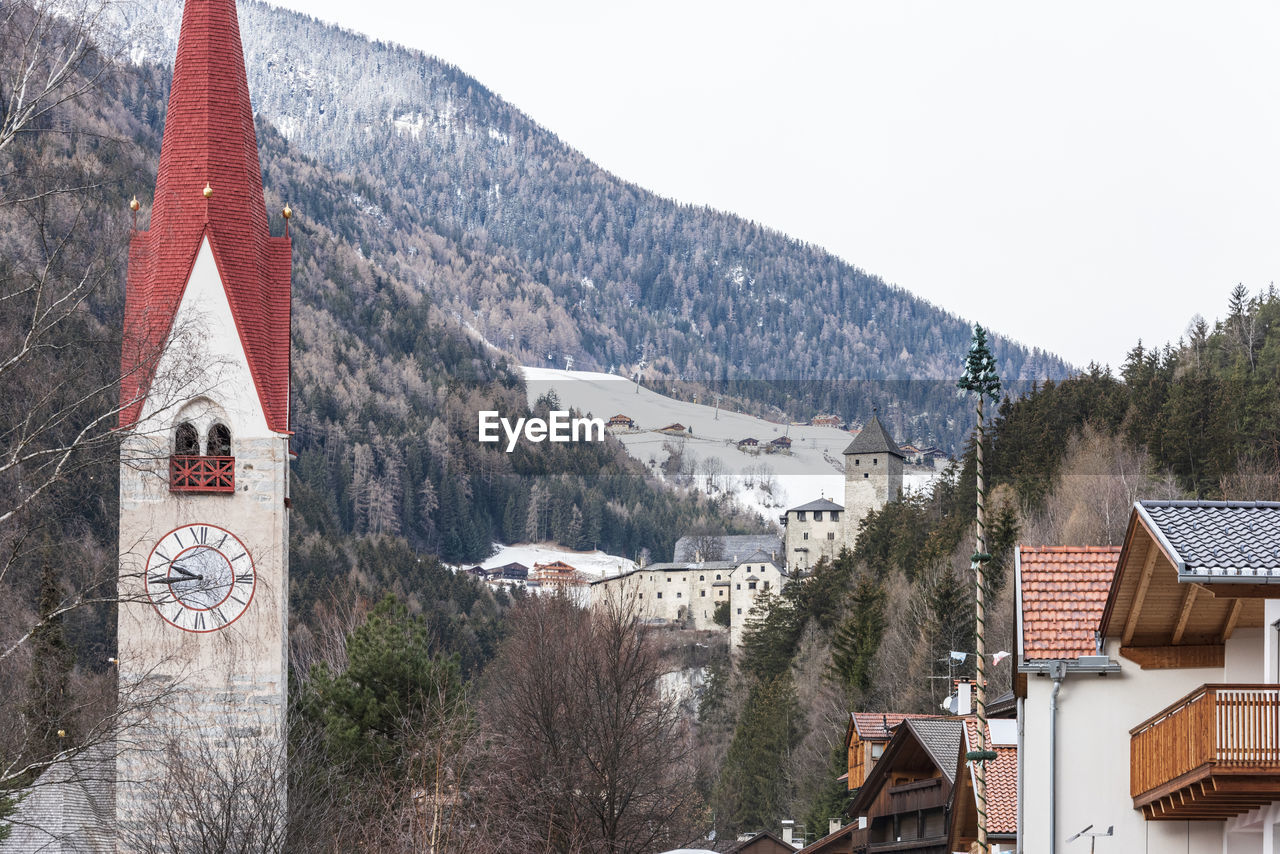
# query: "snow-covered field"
[767,483]
[597,564]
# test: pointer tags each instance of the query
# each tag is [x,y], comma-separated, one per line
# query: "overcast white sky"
[1077,176]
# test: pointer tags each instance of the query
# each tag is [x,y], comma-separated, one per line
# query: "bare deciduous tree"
[588,753]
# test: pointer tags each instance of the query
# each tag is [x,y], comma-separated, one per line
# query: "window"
[799,515]
[219,441]
[877,750]
[659,594]
[721,593]
[702,593]
[739,585]
[717,576]
[831,535]
[641,595]
[679,595]
[835,515]
[806,535]
[702,578]
[857,462]
[739,610]
[865,474]
[751,585]
[874,461]
[186,442]
[668,579]
[765,585]
[817,515]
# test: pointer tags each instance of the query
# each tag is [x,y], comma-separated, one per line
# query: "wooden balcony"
[1211,755]
[202,474]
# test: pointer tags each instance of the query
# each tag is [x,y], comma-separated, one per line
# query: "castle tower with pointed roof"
[204,476]
[872,475]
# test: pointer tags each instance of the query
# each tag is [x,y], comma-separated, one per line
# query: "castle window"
[739,610]
[219,441]
[717,576]
[186,441]
[857,462]
[866,474]
[766,585]
[817,515]
[739,585]
[751,585]
[659,594]
[679,595]
[831,535]
[702,578]
[806,535]
[835,515]
[702,593]
[799,515]
[874,461]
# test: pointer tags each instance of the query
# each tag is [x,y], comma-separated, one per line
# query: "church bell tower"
[204,475]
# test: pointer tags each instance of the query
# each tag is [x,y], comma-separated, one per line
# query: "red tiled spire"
[209,140]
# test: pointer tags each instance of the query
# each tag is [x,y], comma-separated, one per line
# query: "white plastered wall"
[1095,714]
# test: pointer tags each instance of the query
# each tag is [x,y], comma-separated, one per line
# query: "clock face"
[200,577]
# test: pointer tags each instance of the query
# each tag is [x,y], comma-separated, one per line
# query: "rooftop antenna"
[1093,837]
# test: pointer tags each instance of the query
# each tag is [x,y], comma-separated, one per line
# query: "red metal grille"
[202,474]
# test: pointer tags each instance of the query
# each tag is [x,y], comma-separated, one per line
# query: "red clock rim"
[253,589]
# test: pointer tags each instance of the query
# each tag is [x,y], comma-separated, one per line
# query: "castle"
[732,572]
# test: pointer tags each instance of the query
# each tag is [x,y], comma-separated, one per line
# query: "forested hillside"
[566,260]
[1065,462]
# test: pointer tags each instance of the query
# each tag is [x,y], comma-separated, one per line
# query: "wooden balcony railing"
[1230,733]
[202,474]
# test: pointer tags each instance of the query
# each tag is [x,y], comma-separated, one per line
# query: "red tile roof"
[209,138]
[1064,590]
[1002,781]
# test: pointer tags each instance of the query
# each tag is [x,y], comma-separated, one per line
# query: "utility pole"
[980,376]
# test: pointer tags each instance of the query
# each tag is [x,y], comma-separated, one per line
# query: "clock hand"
[188,573]
[187,577]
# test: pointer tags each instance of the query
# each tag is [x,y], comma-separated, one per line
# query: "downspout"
[1022,717]
[1057,672]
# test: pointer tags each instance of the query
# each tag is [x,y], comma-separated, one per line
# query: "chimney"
[788,829]
[964,697]
[833,824]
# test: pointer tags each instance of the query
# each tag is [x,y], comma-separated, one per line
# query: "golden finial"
[208,191]
[62,733]
[134,205]
[288,211]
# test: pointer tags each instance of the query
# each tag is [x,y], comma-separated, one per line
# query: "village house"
[826,420]
[1148,683]
[748,444]
[620,423]
[556,574]
[919,795]
[782,443]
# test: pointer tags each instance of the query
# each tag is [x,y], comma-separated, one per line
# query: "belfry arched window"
[219,444]
[189,469]
[186,441]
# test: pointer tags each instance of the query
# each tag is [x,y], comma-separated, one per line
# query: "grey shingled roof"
[734,548]
[873,439]
[820,504]
[941,737]
[1229,540]
[70,808]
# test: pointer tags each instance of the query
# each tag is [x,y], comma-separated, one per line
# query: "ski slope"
[766,483]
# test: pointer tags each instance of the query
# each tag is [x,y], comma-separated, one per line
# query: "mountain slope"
[583,264]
